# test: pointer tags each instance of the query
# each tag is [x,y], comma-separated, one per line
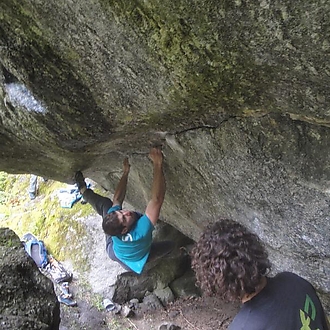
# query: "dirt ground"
[202,313]
[192,314]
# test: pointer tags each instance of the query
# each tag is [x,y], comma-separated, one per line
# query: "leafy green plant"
[97,301]
[116,325]
[3,198]
[3,178]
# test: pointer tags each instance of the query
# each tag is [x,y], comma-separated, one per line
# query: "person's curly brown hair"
[229,260]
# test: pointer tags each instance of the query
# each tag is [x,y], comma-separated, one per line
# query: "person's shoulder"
[143,219]
[288,275]
[114,208]
[292,278]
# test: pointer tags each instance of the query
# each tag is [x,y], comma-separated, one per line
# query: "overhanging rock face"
[236,92]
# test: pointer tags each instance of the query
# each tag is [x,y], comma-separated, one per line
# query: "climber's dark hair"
[229,260]
[111,225]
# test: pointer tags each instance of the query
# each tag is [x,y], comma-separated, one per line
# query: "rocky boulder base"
[27,298]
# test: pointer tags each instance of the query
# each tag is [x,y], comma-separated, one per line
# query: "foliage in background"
[3,177]
[60,228]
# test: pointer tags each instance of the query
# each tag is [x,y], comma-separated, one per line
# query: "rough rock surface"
[236,91]
[27,298]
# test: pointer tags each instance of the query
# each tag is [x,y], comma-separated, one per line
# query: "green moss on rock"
[58,227]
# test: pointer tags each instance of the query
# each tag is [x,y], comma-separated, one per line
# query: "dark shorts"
[111,253]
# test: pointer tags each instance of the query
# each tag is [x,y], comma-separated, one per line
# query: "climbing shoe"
[66,301]
[64,287]
[80,180]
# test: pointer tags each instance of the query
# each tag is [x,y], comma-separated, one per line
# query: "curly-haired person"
[232,263]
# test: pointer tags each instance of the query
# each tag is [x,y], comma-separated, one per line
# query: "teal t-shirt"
[133,248]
